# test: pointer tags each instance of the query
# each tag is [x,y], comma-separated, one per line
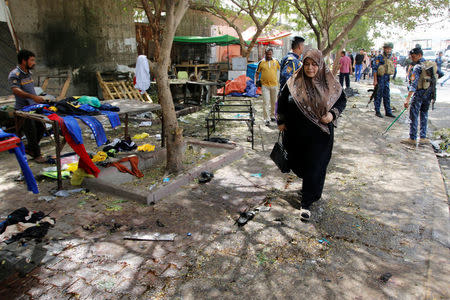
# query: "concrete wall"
[82,35]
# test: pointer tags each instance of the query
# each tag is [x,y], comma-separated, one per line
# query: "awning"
[218,40]
[273,39]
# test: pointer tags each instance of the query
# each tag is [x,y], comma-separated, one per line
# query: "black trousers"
[347,79]
[34,131]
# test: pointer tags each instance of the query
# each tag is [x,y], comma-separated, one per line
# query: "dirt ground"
[379,232]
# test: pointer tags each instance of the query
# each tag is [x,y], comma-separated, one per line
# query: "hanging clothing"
[134,162]
[85,161]
[113,117]
[96,127]
[142,74]
[74,129]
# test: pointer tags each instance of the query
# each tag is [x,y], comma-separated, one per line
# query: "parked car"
[429,54]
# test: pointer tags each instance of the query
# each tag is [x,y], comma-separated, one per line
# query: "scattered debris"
[258,175]
[141,136]
[151,237]
[67,193]
[46,198]
[145,124]
[385,277]
[160,224]
[146,115]
[167,179]
[158,137]
[324,241]
[189,234]
[218,140]
[263,208]
[146,148]
[152,186]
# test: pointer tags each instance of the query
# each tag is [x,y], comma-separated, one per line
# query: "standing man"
[22,87]
[292,61]
[268,68]
[421,91]
[353,62]
[439,63]
[358,64]
[345,68]
[383,69]
[395,60]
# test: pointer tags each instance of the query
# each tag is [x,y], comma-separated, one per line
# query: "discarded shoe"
[245,217]
[409,142]
[305,214]
[205,177]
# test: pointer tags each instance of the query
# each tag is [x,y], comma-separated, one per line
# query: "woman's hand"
[282,127]
[326,118]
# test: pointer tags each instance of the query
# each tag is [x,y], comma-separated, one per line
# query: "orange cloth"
[134,162]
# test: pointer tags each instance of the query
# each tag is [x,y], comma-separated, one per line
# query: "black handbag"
[279,156]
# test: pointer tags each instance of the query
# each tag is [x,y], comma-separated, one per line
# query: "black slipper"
[205,177]
[245,217]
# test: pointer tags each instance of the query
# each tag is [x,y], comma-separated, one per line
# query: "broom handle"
[387,129]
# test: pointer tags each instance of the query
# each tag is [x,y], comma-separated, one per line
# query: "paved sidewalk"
[384,213]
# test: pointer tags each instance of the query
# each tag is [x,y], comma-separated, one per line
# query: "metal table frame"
[223,106]
[20,116]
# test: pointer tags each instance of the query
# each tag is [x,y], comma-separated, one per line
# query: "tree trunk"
[173,134]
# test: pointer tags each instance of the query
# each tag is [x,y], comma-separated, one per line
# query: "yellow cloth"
[141,136]
[52,108]
[78,177]
[268,70]
[146,147]
[100,156]
[72,167]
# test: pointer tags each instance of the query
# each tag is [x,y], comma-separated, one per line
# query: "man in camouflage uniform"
[421,90]
[383,68]
[292,61]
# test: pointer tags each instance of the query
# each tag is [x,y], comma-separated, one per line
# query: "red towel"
[85,161]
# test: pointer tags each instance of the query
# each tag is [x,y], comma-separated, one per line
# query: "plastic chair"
[12,143]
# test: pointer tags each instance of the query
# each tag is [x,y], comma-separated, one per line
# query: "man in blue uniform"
[292,61]
[421,90]
[383,68]
[22,86]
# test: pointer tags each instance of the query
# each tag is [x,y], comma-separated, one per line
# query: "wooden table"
[127,106]
[202,84]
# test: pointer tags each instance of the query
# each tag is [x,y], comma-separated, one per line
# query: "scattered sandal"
[305,214]
[245,217]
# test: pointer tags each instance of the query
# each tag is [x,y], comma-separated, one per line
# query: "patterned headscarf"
[315,96]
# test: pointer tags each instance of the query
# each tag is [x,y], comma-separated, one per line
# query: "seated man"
[22,87]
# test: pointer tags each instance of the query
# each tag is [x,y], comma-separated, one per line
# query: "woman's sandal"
[305,214]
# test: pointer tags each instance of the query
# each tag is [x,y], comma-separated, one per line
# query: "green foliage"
[334,21]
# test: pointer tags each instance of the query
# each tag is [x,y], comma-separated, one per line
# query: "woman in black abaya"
[308,108]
